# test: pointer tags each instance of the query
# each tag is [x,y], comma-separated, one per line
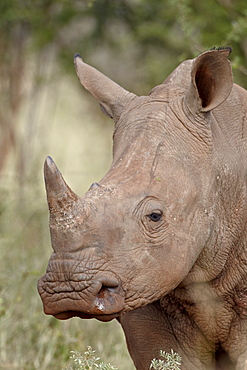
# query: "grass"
[29,339]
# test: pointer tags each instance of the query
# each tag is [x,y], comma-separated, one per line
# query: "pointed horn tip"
[77,58]
[49,161]
[50,165]
[77,61]
[55,183]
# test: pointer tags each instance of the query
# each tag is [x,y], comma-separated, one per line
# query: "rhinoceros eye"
[155,216]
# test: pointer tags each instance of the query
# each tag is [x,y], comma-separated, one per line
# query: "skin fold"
[160,242]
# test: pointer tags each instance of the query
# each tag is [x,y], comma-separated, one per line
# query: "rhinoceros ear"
[111,97]
[59,194]
[211,80]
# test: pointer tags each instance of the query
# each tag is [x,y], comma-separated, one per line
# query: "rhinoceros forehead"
[150,122]
[148,107]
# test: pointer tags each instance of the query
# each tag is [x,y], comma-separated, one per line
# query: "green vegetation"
[137,43]
[88,361]
[172,361]
[30,340]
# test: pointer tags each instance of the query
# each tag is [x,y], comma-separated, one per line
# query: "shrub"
[88,361]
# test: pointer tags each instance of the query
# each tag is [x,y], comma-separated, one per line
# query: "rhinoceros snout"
[101,298]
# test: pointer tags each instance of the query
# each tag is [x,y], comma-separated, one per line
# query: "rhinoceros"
[160,242]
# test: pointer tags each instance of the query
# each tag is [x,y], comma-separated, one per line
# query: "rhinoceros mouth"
[69,314]
[103,299]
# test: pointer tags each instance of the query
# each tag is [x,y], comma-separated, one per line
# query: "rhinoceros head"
[138,233]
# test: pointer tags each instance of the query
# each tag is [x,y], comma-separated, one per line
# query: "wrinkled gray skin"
[160,242]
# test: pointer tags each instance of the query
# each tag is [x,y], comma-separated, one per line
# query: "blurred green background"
[44,111]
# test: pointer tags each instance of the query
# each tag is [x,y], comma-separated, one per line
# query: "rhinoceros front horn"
[59,194]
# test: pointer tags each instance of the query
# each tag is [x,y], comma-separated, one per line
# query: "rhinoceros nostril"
[109,282]
[108,293]
[104,297]
[103,291]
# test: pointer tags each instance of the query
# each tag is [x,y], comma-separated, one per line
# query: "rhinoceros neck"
[206,302]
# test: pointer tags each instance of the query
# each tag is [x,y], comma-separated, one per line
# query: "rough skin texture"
[160,242]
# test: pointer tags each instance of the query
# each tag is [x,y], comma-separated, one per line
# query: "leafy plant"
[88,361]
[172,361]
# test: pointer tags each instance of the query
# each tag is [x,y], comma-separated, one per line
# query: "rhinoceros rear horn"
[111,97]
[211,80]
[59,194]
